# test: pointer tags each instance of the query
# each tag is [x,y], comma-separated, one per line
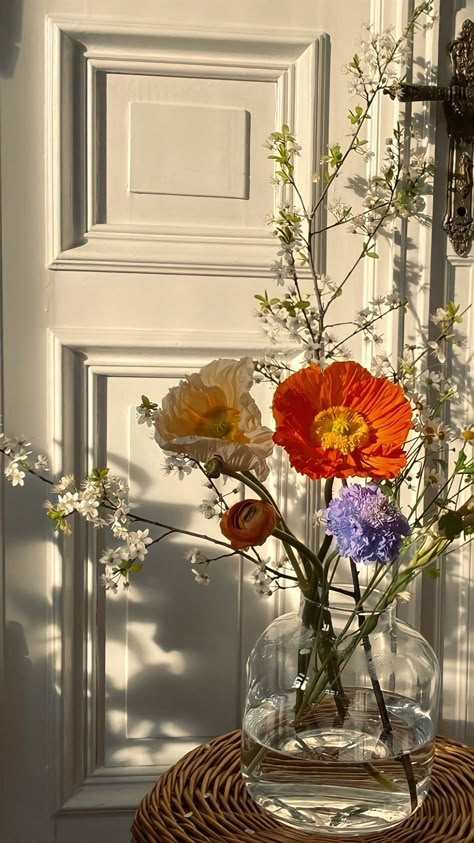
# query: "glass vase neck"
[340,608]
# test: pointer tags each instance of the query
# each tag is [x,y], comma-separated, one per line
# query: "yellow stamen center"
[340,428]
[467,434]
[221,423]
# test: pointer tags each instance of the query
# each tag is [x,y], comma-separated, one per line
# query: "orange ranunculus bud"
[248,523]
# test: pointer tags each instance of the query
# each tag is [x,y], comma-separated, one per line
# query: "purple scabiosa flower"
[367,526]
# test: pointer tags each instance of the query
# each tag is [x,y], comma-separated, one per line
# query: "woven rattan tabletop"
[202,799]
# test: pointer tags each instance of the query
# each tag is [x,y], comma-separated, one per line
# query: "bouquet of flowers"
[376,438]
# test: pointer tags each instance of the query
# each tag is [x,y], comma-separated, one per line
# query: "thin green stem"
[289,538]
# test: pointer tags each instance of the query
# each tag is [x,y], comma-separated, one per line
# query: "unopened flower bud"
[248,523]
[214,466]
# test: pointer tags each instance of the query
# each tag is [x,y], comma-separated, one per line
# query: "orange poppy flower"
[342,422]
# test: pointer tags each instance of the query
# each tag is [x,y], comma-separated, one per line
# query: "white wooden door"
[134,192]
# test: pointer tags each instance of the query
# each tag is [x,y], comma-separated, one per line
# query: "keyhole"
[461,212]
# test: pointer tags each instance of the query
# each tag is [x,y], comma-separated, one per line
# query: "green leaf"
[452,311]
[99,474]
[302,305]
[136,566]
[355,116]
[460,462]
[464,467]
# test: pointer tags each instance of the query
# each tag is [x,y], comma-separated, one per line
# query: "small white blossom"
[195,556]
[467,434]
[326,285]
[431,379]
[119,519]
[280,272]
[68,502]
[117,526]
[121,484]
[21,444]
[432,430]
[312,349]
[343,352]
[439,316]
[98,521]
[377,302]
[418,399]
[146,415]
[109,582]
[42,463]
[137,544]
[394,298]
[339,209]
[66,483]
[459,340]
[208,508]
[109,556]
[179,464]
[88,508]
[262,582]
[362,318]
[437,350]
[442,432]
[14,474]
[380,365]
[90,489]
[200,578]
[319,517]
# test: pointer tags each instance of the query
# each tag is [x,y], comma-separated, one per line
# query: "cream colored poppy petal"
[235,377]
[237,456]
[261,440]
[184,406]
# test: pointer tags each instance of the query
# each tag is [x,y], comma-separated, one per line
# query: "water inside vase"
[340,777]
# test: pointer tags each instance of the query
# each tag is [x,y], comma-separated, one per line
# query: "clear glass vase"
[340,718]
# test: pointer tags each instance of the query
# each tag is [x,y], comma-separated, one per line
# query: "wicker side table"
[202,799]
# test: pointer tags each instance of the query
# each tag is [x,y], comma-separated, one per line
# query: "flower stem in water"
[387,734]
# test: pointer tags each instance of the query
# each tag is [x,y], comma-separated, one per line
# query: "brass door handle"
[458,103]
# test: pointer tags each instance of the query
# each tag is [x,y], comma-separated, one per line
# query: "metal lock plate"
[458,103]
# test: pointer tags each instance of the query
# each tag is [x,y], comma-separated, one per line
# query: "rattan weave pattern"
[202,799]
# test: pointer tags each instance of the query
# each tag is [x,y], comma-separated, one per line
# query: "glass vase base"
[332,813]
[339,780]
